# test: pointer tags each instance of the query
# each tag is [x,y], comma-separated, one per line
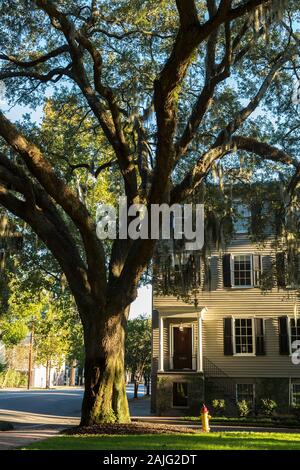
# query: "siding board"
[223,302]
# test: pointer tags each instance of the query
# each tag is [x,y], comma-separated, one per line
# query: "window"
[241,220]
[243,335]
[245,392]
[295,329]
[296,394]
[242,271]
[180,392]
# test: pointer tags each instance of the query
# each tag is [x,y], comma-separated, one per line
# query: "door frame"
[171,348]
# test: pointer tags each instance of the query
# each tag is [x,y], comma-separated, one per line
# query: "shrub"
[219,406]
[244,408]
[268,406]
[12,378]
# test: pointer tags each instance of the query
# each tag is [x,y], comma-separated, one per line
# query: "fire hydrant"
[205,419]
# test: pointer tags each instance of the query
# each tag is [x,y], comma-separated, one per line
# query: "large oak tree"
[170,88]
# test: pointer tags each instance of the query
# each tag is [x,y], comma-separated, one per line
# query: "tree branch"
[268,152]
[41,169]
[58,73]
[35,196]
[60,248]
[242,115]
[264,150]
[111,124]
[167,86]
[39,60]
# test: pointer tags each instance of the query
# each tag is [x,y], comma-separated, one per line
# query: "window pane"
[180,394]
[296,394]
[295,329]
[241,220]
[245,392]
[243,336]
[242,270]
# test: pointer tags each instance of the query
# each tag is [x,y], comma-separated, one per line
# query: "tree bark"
[136,388]
[147,385]
[72,373]
[105,399]
[47,375]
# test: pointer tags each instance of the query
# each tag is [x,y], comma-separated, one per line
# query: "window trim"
[245,383]
[236,317]
[246,230]
[290,333]
[233,255]
[292,393]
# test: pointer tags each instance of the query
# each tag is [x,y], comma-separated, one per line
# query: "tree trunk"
[72,373]
[49,377]
[136,388]
[105,399]
[147,384]
[47,374]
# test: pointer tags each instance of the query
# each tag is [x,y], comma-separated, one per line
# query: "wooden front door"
[182,348]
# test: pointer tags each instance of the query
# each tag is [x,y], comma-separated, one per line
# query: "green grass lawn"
[213,441]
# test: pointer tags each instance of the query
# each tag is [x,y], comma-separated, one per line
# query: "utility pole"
[30,358]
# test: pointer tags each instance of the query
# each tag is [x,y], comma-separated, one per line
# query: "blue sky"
[143,304]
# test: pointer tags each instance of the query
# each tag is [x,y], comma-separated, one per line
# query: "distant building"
[17,359]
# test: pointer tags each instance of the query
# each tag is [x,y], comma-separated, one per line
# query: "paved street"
[38,414]
[40,407]
[52,407]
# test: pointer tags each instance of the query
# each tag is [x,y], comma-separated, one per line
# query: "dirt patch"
[132,428]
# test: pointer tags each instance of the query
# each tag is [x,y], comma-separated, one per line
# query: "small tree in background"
[138,349]
[51,342]
[37,305]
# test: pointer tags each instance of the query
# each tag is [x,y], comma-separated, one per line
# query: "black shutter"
[278,221]
[214,263]
[228,347]
[155,319]
[280,269]
[284,347]
[293,270]
[297,270]
[256,211]
[256,259]
[259,337]
[267,280]
[227,270]
[207,275]
[266,264]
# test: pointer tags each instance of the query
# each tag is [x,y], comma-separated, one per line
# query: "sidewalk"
[20,438]
[25,434]
[140,407]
